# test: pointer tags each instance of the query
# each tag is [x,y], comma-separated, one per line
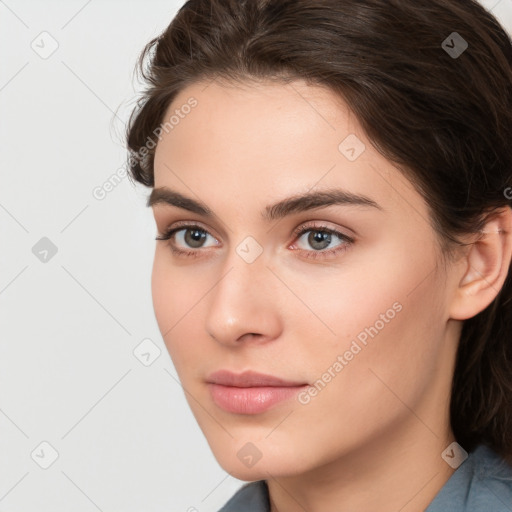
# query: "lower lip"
[250,400]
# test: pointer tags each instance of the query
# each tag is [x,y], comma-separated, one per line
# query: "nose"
[244,304]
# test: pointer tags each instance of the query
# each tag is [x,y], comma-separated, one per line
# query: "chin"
[260,460]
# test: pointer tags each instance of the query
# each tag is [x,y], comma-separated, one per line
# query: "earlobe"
[487,264]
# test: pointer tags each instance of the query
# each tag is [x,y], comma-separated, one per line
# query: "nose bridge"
[241,301]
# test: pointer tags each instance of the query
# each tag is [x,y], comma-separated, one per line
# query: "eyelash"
[320,254]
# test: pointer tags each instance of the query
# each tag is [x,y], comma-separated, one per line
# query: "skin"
[372,438]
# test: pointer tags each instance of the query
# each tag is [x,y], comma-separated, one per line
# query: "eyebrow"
[294,204]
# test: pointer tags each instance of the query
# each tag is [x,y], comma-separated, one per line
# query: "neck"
[402,471]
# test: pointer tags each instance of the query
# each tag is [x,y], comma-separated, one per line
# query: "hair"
[444,120]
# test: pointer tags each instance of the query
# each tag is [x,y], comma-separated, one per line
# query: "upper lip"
[249,379]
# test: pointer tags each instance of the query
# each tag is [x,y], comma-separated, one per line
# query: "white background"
[125,437]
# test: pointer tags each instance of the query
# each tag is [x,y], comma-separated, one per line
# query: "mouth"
[250,392]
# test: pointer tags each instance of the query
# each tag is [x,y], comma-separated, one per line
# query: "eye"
[320,241]
[186,237]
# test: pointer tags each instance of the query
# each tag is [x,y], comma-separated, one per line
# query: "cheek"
[171,296]
[390,339]
[385,314]
[164,292]
[177,295]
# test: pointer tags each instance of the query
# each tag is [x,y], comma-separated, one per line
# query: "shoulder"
[482,482]
[252,497]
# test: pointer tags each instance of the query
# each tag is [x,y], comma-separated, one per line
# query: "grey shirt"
[482,483]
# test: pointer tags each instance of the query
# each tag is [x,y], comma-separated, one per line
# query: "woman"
[331,187]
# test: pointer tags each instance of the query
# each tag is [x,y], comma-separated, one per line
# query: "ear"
[485,267]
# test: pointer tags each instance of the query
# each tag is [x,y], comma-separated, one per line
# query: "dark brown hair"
[444,119]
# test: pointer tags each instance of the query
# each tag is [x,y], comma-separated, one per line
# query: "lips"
[250,392]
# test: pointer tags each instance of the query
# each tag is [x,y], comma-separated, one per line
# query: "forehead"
[243,120]
[261,110]
[272,138]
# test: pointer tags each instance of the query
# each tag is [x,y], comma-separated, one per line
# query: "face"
[301,253]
